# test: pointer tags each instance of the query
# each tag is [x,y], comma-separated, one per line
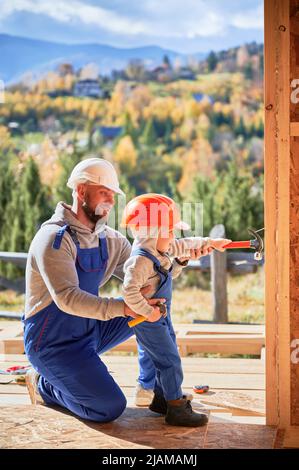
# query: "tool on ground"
[15,370]
[20,380]
[201,388]
[257,244]
[141,318]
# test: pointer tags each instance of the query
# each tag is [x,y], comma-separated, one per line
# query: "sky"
[186,26]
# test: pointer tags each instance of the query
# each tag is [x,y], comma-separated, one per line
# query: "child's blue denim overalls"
[64,348]
[159,359]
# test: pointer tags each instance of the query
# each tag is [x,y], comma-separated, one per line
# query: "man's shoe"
[31,379]
[180,413]
[142,396]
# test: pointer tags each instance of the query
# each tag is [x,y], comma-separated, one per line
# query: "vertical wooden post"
[294,214]
[219,278]
[277,201]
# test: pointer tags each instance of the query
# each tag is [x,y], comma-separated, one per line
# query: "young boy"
[152,219]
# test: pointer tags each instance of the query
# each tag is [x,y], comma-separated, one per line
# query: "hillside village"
[173,129]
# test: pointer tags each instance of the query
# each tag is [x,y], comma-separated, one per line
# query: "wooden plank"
[277,160]
[215,365]
[197,327]
[211,365]
[270,178]
[293,333]
[239,436]
[11,331]
[249,400]
[291,438]
[13,389]
[294,129]
[12,346]
[44,427]
[16,358]
[14,399]
[215,381]
[224,344]
[216,328]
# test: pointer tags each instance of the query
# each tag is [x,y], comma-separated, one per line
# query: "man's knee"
[108,410]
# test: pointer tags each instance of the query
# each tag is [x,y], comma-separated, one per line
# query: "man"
[66,323]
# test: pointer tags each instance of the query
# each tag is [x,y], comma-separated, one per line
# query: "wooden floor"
[235,405]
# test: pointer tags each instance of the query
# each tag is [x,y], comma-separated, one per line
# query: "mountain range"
[21,56]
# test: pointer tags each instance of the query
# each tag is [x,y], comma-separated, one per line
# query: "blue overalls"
[64,348]
[159,359]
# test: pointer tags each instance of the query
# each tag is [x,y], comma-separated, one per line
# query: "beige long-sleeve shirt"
[139,271]
[51,275]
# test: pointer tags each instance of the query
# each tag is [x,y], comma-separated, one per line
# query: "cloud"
[73,11]
[253,18]
[152,18]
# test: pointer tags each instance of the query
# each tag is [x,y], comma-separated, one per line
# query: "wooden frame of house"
[281,212]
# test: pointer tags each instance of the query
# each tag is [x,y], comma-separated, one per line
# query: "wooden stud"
[277,198]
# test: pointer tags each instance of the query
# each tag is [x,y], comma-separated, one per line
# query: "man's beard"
[95,215]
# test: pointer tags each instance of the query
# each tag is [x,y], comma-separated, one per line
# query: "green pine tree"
[212,61]
[234,199]
[129,129]
[62,192]
[149,136]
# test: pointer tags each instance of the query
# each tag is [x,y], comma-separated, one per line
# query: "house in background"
[110,133]
[88,88]
[199,97]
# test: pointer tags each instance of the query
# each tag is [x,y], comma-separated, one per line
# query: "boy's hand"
[196,253]
[219,243]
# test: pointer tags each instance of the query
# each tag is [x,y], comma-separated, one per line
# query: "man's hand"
[156,313]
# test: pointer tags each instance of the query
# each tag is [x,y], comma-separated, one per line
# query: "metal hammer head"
[257,243]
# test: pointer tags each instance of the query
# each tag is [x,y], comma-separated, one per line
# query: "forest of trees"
[195,140]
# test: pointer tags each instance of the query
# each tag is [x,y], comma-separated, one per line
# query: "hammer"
[256,244]
[141,319]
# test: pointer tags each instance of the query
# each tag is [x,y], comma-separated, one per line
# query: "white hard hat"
[97,171]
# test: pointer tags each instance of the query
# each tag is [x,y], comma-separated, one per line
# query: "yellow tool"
[141,319]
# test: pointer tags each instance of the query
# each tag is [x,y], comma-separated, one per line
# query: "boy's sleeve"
[180,247]
[137,272]
[176,269]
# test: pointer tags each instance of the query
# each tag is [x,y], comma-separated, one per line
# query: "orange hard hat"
[153,210]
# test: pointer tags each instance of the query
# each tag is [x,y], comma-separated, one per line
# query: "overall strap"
[103,247]
[156,262]
[66,228]
[58,238]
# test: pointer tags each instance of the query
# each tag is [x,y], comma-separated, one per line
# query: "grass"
[11,301]
[245,301]
[245,298]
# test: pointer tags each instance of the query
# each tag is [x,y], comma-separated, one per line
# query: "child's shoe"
[142,396]
[180,413]
[159,404]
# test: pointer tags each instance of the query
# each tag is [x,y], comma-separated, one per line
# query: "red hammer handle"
[243,244]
